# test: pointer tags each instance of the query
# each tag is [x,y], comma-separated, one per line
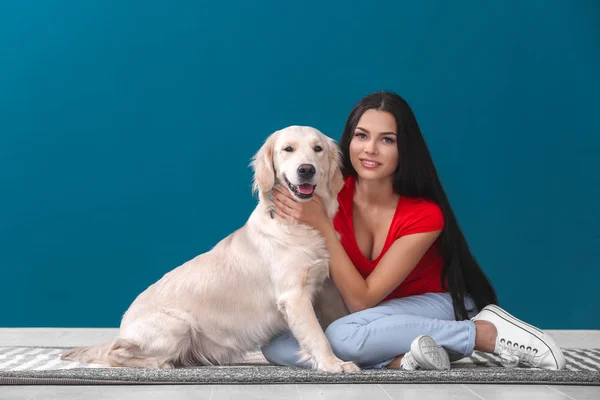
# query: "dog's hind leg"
[158,340]
[125,353]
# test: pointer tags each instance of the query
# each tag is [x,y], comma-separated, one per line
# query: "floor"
[77,337]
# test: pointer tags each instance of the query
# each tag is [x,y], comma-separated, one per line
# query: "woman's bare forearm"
[351,285]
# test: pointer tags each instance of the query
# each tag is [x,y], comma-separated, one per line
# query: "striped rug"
[42,365]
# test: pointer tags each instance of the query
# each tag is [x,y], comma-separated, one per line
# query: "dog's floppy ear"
[336,180]
[262,163]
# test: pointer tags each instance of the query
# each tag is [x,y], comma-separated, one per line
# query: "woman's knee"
[342,338]
[271,353]
[283,350]
[280,350]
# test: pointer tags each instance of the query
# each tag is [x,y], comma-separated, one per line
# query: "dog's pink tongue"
[306,188]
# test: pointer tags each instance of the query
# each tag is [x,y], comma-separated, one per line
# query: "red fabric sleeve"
[424,217]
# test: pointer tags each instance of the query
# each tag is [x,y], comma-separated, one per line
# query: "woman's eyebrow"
[380,133]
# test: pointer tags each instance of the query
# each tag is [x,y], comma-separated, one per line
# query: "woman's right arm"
[358,293]
[401,258]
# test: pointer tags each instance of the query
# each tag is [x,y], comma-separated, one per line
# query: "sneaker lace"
[511,354]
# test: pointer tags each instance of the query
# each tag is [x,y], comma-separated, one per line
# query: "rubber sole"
[429,354]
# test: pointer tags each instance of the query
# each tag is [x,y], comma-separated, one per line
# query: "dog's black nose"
[306,171]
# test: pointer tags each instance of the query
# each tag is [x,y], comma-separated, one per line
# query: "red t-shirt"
[412,215]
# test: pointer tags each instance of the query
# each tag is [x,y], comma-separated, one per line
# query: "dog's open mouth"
[303,191]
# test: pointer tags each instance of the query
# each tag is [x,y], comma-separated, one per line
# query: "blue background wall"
[126,129]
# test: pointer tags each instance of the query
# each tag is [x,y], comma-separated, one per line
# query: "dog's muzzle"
[306,189]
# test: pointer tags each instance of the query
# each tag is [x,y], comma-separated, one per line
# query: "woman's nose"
[370,148]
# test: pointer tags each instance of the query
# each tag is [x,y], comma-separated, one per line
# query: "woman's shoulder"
[347,192]
[420,203]
[416,214]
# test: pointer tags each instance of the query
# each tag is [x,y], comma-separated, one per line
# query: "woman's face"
[373,148]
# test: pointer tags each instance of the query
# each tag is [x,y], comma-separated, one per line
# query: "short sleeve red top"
[412,215]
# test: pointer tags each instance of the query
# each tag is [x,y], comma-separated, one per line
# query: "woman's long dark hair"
[416,176]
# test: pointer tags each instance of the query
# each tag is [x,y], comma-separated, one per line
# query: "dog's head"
[301,158]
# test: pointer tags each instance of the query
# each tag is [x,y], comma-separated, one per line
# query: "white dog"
[255,283]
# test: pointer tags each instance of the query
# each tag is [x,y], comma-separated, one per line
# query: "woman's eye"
[388,140]
[318,148]
[360,135]
[289,149]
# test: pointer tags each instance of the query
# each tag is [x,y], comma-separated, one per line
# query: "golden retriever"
[258,281]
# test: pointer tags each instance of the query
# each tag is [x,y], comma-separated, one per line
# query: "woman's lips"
[369,163]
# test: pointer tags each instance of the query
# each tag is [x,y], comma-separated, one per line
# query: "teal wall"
[126,129]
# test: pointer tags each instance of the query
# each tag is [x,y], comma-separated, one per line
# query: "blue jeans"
[372,338]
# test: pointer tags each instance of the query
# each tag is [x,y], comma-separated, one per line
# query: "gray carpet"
[39,365]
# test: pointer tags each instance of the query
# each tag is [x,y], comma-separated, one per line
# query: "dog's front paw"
[349,366]
[337,365]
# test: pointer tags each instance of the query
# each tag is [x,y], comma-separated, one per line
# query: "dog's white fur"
[255,283]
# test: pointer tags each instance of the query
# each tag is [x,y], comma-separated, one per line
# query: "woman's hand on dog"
[310,212]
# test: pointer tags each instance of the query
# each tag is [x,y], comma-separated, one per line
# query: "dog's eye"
[318,149]
[289,149]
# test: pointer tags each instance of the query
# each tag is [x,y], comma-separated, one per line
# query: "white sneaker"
[425,354]
[520,343]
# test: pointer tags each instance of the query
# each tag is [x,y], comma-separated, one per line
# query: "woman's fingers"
[284,191]
[283,200]
[281,213]
[283,197]
[285,205]
[280,205]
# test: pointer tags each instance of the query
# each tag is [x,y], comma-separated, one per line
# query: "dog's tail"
[89,354]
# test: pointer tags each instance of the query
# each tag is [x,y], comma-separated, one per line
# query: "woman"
[402,265]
